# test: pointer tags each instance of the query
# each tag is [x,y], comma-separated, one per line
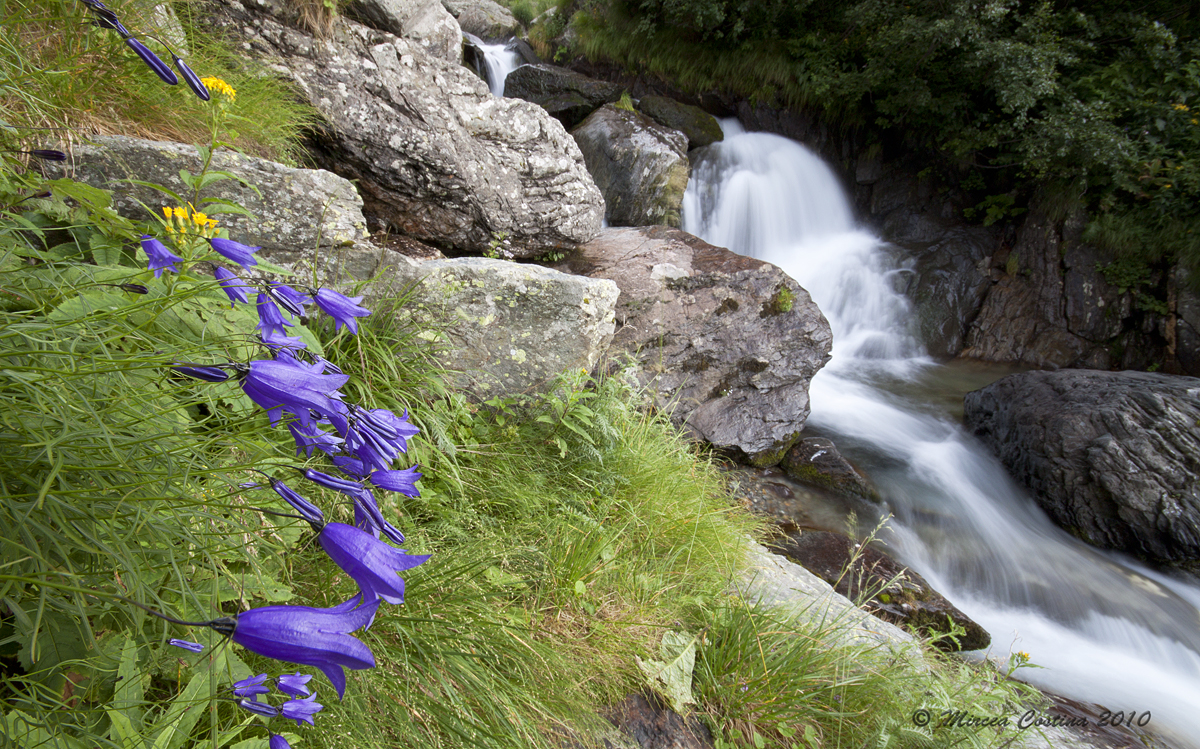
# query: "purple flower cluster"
[301,707]
[301,390]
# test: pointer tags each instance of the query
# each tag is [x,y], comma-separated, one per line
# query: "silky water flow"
[1102,629]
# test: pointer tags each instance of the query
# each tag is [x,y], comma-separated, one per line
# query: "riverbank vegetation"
[572,533]
[1096,106]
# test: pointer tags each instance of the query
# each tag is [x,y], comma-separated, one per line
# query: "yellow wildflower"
[1182,108]
[220,86]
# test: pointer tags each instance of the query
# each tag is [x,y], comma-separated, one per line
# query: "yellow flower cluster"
[183,220]
[220,86]
[1182,108]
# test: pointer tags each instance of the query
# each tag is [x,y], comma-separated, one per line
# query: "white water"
[1103,630]
[500,59]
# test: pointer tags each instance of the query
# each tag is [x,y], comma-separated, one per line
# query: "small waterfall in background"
[1104,630]
[499,60]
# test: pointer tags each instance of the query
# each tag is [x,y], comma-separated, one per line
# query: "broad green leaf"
[188,706]
[23,730]
[105,250]
[122,732]
[672,676]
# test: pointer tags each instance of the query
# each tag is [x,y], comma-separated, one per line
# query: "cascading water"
[499,60]
[1103,630]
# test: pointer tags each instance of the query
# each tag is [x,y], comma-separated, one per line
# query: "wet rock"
[435,155]
[425,22]
[568,96]
[1113,457]
[651,725]
[1050,307]
[946,275]
[640,166]
[888,590]
[727,342]
[700,127]
[795,506]
[485,19]
[293,208]
[816,461]
[1187,326]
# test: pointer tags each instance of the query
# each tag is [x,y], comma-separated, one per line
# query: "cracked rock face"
[434,154]
[1113,457]
[727,342]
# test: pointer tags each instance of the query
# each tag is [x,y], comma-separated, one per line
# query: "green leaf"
[122,732]
[215,206]
[164,190]
[105,250]
[672,677]
[23,730]
[179,719]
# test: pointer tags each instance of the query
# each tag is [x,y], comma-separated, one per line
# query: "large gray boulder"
[435,155]
[700,127]
[727,342]
[425,22]
[1113,457]
[484,18]
[294,209]
[640,166]
[568,96]
[502,328]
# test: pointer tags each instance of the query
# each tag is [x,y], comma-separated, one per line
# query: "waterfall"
[1103,629]
[499,60]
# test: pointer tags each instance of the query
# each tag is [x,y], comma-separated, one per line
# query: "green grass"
[59,71]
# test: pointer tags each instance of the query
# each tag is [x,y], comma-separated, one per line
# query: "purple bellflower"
[368,517]
[310,512]
[283,345]
[251,687]
[158,66]
[160,257]
[235,252]
[234,288]
[341,308]
[310,636]
[260,708]
[349,488]
[398,481]
[193,81]
[309,437]
[195,647]
[200,372]
[288,298]
[373,564]
[302,710]
[278,386]
[278,742]
[293,684]
[269,317]
[48,154]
